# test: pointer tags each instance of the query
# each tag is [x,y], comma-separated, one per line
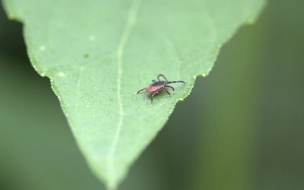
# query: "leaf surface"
[99,53]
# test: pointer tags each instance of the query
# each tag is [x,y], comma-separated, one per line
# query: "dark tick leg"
[153,80]
[140,90]
[161,75]
[154,95]
[167,91]
[170,87]
[175,81]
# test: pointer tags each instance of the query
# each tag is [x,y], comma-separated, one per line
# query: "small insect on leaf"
[157,86]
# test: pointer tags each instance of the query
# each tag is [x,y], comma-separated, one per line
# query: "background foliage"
[241,127]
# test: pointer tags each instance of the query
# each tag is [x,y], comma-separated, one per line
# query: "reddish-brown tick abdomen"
[155,86]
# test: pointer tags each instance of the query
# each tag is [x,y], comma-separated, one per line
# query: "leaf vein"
[131,20]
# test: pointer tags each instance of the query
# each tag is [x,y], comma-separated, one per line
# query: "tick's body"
[157,86]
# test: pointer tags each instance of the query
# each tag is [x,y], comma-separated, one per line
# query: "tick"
[157,86]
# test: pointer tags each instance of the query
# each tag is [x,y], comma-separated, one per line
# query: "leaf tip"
[111,187]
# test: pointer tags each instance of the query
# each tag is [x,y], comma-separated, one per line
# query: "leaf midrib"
[131,20]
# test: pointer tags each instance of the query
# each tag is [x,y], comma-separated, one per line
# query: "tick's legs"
[140,90]
[170,87]
[154,95]
[161,75]
[167,91]
[153,80]
[175,82]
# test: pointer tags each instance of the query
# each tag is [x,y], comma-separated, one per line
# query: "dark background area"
[242,127]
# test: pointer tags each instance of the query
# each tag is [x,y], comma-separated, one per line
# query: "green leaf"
[99,53]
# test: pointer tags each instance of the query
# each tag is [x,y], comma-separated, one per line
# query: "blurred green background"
[242,127]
